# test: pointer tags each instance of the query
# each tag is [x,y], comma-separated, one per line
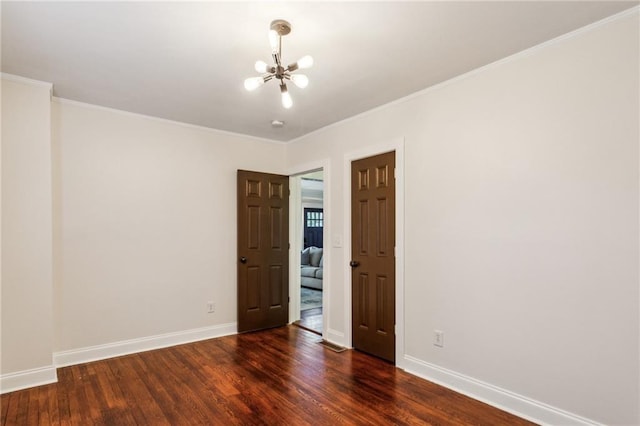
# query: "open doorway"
[311,268]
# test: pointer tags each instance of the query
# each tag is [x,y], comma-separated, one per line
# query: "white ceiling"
[187,61]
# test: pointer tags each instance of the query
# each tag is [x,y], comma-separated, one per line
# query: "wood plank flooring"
[311,319]
[275,377]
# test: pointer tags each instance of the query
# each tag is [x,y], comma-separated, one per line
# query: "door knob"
[243,259]
[354,263]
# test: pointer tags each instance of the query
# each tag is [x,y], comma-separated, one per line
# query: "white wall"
[27,282]
[145,222]
[521,221]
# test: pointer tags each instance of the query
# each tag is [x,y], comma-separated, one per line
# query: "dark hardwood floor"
[275,377]
[311,319]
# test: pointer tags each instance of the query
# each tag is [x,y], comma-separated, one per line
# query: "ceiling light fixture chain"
[278,29]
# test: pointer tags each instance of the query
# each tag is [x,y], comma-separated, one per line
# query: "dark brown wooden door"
[373,255]
[263,250]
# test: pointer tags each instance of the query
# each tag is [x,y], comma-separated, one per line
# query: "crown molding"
[511,58]
[28,81]
[64,101]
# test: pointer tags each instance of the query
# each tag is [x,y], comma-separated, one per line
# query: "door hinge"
[289,246]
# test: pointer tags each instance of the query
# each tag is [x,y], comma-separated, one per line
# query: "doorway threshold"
[304,327]
[311,320]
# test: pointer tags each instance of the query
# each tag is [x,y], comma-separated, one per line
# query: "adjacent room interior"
[485,153]
[311,258]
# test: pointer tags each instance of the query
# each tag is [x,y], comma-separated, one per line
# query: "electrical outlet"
[211,307]
[438,338]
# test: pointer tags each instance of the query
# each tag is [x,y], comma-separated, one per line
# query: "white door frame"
[295,230]
[396,145]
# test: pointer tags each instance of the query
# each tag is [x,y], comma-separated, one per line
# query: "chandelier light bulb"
[305,62]
[287,102]
[274,41]
[261,67]
[253,83]
[300,80]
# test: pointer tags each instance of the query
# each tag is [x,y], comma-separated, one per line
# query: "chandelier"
[280,28]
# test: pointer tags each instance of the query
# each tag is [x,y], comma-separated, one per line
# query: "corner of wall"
[27,282]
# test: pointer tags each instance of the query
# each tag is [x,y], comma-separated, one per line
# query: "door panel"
[276,214]
[253,227]
[263,250]
[275,287]
[363,300]
[373,255]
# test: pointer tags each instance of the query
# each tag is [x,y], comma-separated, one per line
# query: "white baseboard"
[27,379]
[335,337]
[126,347]
[503,399]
